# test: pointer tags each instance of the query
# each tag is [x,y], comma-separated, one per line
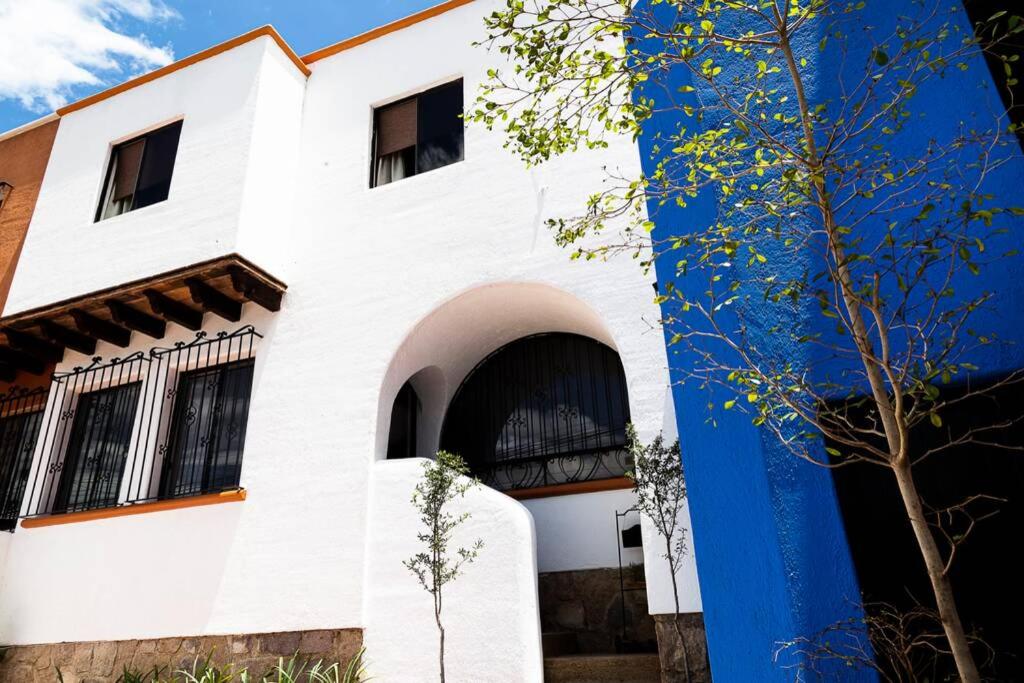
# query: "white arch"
[448,342]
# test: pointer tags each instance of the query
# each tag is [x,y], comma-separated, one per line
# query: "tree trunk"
[441,650]
[937,575]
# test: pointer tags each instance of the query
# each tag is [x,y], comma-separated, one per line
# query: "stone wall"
[588,604]
[675,660]
[104,662]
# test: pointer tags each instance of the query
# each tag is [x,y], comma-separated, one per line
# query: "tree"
[444,481]
[661,496]
[834,217]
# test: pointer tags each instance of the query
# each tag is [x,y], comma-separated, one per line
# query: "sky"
[57,51]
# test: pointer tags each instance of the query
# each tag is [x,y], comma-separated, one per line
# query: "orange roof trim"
[384,30]
[189,61]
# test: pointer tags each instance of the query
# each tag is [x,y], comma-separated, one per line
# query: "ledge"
[616,484]
[137,509]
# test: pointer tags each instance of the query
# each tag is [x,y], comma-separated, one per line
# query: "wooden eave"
[220,286]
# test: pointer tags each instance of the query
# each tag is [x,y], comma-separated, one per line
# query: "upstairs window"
[208,430]
[417,134]
[140,172]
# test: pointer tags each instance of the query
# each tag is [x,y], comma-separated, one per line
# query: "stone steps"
[559,644]
[634,668]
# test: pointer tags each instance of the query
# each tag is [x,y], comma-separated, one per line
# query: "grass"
[291,670]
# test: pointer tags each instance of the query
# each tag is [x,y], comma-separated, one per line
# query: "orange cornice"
[384,30]
[571,489]
[141,508]
[189,61]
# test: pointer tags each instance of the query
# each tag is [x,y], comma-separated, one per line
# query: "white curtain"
[391,167]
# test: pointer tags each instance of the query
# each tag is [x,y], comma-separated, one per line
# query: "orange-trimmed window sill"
[616,484]
[137,509]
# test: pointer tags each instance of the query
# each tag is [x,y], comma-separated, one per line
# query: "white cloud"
[49,46]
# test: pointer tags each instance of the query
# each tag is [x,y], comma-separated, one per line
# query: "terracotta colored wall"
[22,164]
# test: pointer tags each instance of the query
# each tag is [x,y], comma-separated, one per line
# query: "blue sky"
[58,51]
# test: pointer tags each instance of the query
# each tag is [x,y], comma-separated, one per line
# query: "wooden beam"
[19,360]
[213,300]
[174,311]
[72,339]
[246,284]
[101,329]
[137,320]
[40,348]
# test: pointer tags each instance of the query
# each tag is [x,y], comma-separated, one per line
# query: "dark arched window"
[402,435]
[542,410]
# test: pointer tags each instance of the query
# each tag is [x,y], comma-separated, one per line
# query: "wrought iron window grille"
[21,416]
[116,433]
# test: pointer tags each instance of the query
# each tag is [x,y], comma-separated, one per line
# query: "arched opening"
[404,417]
[542,410]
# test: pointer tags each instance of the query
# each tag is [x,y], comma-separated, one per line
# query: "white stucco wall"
[231,105]
[423,277]
[492,627]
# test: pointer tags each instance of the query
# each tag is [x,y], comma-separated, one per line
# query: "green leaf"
[936,420]
[878,54]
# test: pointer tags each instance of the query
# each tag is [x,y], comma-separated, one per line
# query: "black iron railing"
[21,415]
[164,424]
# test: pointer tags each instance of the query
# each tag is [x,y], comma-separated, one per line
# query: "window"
[140,172]
[402,435]
[100,437]
[543,410]
[417,134]
[18,435]
[208,430]
[5,192]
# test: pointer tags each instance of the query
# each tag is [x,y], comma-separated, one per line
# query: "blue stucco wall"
[771,552]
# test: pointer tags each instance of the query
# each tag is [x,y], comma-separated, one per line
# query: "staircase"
[563,663]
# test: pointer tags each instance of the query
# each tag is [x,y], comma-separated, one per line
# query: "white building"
[252,309]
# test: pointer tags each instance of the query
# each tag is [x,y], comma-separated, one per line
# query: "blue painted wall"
[767,533]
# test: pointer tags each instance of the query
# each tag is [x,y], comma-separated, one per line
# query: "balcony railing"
[161,424]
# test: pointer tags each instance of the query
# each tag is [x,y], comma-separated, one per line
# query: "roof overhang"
[34,340]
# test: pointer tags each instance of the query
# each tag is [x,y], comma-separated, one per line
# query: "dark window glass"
[208,430]
[402,435]
[100,437]
[5,192]
[547,409]
[18,434]
[140,172]
[418,134]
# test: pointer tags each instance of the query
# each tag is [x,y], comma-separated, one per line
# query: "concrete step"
[641,668]
[559,644]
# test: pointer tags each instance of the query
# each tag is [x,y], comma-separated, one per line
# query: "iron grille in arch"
[545,409]
[164,424]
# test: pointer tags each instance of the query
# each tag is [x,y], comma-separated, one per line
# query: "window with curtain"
[93,465]
[417,134]
[140,172]
[18,434]
[208,430]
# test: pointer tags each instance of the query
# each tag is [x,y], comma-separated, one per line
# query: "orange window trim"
[189,61]
[139,509]
[571,489]
[384,30]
